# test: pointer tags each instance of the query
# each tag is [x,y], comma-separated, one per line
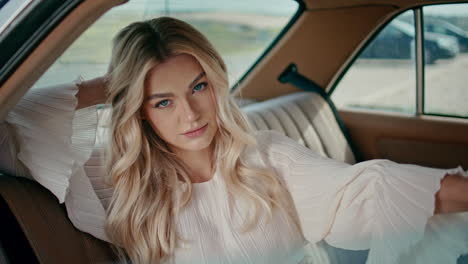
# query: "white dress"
[377,205]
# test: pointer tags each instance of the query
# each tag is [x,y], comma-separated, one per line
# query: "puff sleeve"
[52,140]
[378,205]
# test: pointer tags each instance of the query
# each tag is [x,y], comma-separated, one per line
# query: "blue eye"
[163,104]
[199,87]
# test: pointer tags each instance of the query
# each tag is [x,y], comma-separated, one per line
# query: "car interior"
[323,41]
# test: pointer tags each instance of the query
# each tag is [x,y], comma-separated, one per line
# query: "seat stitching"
[262,113]
[296,126]
[314,127]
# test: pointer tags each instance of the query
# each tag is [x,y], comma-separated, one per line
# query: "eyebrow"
[162,95]
[196,79]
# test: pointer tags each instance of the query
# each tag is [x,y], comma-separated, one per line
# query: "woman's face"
[179,104]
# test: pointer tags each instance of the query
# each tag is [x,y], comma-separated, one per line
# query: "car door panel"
[428,141]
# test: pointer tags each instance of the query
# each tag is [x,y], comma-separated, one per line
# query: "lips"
[197,132]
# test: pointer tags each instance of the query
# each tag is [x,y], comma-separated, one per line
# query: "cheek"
[205,106]
[160,125]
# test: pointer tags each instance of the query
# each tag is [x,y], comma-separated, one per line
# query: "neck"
[199,163]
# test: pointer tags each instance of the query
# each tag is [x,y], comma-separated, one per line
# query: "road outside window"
[383,77]
[446,90]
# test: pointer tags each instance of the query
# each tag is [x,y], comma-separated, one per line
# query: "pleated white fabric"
[377,205]
[53,139]
[210,228]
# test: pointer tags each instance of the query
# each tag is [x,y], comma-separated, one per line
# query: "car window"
[240,30]
[445,90]
[383,76]
[10,10]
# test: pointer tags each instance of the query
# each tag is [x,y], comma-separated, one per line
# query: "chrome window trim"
[419,53]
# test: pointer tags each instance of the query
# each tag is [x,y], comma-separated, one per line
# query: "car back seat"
[305,117]
[48,235]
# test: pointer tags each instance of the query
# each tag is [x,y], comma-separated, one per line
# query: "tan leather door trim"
[429,141]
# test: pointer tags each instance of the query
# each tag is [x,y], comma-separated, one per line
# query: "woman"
[174,128]
[192,184]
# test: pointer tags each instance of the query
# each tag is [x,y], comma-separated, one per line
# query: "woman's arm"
[453,194]
[91,92]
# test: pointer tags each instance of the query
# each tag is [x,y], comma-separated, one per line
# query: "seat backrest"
[45,234]
[306,118]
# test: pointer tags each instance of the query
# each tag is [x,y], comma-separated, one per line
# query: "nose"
[189,111]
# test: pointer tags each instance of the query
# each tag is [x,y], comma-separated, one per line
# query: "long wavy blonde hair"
[141,167]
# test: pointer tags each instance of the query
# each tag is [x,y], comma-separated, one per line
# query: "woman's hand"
[92,92]
[453,194]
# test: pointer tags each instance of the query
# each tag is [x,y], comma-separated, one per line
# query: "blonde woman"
[191,183]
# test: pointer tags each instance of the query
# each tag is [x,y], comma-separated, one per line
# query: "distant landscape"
[239,38]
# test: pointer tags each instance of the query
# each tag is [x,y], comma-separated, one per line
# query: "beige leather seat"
[306,118]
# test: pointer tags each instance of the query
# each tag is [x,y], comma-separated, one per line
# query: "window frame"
[19,43]
[418,17]
[300,10]
[421,96]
